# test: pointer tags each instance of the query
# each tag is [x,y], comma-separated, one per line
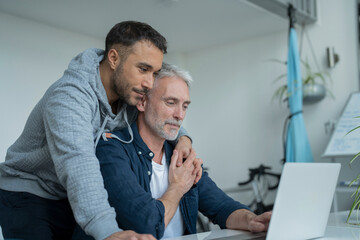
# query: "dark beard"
[119,85]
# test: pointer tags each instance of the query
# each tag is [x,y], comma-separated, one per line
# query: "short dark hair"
[127,33]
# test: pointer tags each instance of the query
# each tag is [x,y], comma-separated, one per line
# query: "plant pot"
[313,93]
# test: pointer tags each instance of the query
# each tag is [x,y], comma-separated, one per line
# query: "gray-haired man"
[149,193]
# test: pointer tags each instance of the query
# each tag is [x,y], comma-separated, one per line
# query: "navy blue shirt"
[127,170]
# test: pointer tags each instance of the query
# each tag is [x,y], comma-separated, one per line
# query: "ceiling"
[187,24]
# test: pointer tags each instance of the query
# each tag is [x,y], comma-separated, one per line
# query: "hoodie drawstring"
[129,129]
[101,132]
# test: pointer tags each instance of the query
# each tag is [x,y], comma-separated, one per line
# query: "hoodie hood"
[86,64]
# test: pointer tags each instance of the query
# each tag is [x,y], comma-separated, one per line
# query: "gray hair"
[170,70]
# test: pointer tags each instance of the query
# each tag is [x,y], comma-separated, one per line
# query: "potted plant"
[314,85]
[356,193]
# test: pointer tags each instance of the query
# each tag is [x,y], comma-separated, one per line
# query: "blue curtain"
[297,143]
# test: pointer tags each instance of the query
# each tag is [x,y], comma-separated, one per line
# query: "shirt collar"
[142,148]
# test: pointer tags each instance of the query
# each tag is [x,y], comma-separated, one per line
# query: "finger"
[256,226]
[151,237]
[147,237]
[198,177]
[197,164]
[185,145]
[187,152]
[199,173]
[180,158]
[190,159]
[174,159]
[265,217]
[260,223]
[190,153]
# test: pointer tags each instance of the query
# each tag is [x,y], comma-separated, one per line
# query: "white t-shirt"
[158,185]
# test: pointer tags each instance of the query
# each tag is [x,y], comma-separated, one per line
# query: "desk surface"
[337,228]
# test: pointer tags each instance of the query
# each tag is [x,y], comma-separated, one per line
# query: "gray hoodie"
[54,157]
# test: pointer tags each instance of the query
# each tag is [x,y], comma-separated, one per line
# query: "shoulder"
[113,153]
[110,143]
[112,139]
[71,93]
[72,86]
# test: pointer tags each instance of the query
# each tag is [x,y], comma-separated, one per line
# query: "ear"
[142,104]
[113,58]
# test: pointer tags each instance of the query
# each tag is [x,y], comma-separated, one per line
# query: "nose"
[179,113]
[148,82]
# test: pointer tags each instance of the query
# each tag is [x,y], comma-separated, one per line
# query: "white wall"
[232,120]
[337,28]
[33,56]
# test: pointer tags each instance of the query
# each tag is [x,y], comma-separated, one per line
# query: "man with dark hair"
[149,193]
[51,173]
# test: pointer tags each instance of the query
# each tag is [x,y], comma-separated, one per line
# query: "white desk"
[337,228]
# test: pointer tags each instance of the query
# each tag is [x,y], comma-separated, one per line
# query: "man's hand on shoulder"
[184,148]
[129,235]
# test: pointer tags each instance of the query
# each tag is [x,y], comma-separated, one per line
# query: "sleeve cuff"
[227,212]
[103,228]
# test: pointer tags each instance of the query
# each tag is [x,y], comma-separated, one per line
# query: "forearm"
[74,161]
[240,219]
[214,203]
[181,179]
[99,221]
[171,200]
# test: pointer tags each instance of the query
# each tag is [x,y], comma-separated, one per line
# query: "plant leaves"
[277,61]
[280,77]
[356,194]
[352,130]
[355,157]
[356,203]
[310,77]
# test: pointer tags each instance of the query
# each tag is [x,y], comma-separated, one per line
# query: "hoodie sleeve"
[182,132]
[69,134]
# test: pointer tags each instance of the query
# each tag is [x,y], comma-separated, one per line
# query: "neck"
[151,139]
[105,75]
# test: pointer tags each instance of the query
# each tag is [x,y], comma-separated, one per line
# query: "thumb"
[174,159]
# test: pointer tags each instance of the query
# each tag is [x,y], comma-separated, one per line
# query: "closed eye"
[156,74]
[143,69]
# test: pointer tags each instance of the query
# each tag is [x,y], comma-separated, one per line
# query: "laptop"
[302,204]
